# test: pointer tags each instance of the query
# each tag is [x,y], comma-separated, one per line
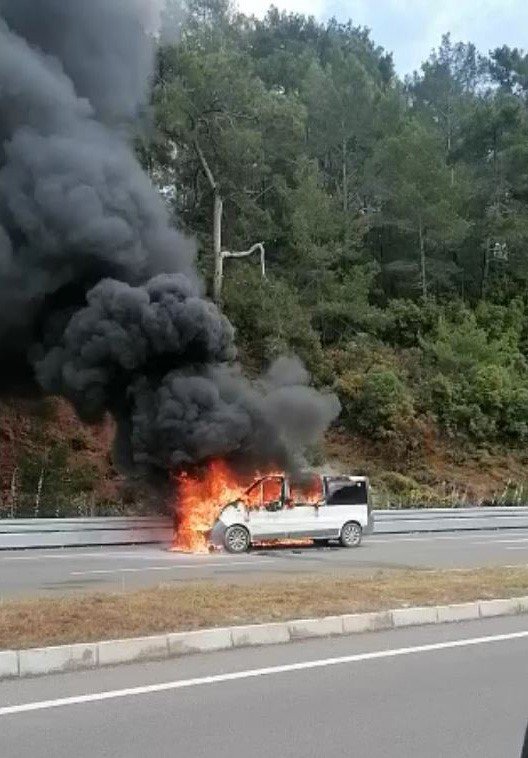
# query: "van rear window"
[346,493]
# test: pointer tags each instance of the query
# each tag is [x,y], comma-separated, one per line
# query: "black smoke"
[100,301]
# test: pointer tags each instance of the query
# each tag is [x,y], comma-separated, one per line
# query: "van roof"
[345,478]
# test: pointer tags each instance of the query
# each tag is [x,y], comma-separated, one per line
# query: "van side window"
[349,493]
[265,493]
[306,490]
[272,491]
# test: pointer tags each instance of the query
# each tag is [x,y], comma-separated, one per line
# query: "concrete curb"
[63,658]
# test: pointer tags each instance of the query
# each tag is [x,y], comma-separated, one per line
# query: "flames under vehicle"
[319,508]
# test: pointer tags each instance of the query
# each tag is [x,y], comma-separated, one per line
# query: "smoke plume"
[100,299]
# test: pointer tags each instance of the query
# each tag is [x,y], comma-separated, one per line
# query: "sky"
[412,28]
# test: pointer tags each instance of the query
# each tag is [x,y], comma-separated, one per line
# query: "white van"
[273,508]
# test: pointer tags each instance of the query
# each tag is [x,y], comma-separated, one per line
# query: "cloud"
[258,8]
[412,28]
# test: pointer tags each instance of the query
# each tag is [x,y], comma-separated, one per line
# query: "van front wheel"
[237,539]
[351,534]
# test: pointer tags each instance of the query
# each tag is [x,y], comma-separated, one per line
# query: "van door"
[346,499]
[303,508]
[298,520]
[266,505]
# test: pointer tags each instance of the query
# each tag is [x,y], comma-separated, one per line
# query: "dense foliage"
[394,213]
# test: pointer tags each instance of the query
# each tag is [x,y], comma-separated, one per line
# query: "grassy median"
[97,616]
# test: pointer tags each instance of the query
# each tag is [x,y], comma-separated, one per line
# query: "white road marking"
[66,557]
[169,556]
[524,547]
[253,673]
[468,539]
[396,540]
[73,556]
[421,539]
[169,567]
[503,542]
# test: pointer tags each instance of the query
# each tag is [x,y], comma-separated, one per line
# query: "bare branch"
[205,165]
[257,194]
[257,246]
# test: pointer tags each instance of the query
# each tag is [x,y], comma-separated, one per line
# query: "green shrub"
[376,402]
[342,308]
[269,319]
[499,319]
[406,322]
[396,489]
[479,387]
[490,387]
[515,416]
[460,347]
[50,486]
[361,355]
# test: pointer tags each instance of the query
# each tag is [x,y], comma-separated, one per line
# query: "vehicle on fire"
[320,508]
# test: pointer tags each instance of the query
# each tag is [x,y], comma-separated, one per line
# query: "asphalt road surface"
[55,572]
[459,690]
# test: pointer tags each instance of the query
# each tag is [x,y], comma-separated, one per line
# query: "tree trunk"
[485,271]
[217,224]
[449,144]
[422,261]
[345,175]
[39,493]
[217,248]
[13,492]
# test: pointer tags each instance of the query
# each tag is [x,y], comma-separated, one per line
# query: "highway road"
[458,690]
[56,572]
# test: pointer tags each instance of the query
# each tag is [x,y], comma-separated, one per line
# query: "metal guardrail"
[77,532]
[408,520]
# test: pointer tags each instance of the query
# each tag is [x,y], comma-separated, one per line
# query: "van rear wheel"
[237,539]
[351,534]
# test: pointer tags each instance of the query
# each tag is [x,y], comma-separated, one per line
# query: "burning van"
[277,507]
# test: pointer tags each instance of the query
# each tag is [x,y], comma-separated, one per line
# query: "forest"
[393,213]
[392,217]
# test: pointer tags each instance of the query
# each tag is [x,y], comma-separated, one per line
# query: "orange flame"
[201,497]
[307,491]
[200,500]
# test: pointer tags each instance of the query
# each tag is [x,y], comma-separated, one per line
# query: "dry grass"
[462,471]
[33,623]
